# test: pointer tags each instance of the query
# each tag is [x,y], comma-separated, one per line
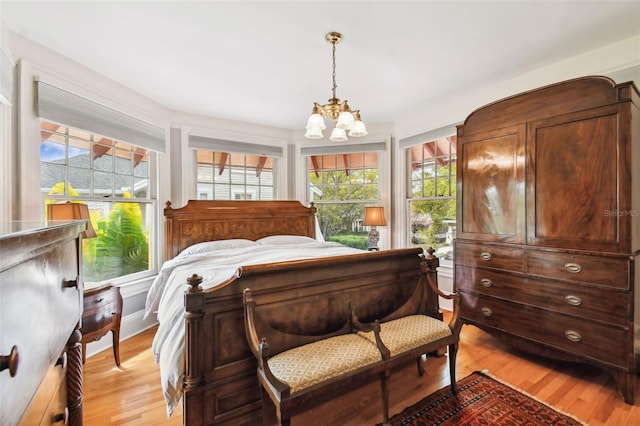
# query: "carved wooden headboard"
[204,220]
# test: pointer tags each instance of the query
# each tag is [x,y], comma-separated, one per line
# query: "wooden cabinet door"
[490,189]
[576,168]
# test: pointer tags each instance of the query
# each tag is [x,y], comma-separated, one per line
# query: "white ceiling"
[266,62]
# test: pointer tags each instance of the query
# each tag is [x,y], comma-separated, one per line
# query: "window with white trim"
[232,176]
[114,179]
[94,153]
[234,170]
[341,186]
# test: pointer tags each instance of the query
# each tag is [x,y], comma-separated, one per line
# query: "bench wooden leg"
[384,384]
[420,366]
[453,350]
[269,417]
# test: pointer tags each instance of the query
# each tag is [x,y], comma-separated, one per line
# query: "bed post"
[168,231]
[194,303]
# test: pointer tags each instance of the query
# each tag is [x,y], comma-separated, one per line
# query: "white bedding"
[216,263]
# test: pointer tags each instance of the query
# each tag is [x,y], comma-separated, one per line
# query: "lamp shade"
[338,135]
[374,216]
[345,120]
[316,122]
[358,129]
[72,211]
[313,133]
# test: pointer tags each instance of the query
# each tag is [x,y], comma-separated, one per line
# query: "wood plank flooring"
[131,394]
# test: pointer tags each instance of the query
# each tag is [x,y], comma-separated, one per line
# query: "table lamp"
[72,211]
[373,217]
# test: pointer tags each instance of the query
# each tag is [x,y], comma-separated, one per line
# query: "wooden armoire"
[548,223]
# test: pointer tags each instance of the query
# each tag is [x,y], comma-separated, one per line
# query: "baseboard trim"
[130,326]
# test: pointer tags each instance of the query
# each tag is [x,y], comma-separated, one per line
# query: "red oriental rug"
[481,400]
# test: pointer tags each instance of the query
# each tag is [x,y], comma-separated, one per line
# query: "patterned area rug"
[481,400]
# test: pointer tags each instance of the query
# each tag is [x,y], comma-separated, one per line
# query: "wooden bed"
[221,386]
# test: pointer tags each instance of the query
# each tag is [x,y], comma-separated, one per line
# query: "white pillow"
[286,239]
[208,246]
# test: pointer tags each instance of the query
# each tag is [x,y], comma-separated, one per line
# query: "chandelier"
[347,120]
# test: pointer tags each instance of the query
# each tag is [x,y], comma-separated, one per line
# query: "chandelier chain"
[334,70]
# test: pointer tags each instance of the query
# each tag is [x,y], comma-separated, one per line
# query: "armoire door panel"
[573,181]
[491,173]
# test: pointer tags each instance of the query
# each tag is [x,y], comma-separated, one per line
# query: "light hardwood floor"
[131,394]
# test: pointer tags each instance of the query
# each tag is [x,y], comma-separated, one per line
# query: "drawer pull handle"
[62,417]
[10,361]
[95,302]
[70,283]
[573,300]
[486,282]
[573,335]
[485,256]
[486,311]
[573,268]
[62,361]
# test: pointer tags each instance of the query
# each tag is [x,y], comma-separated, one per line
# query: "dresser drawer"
[40,305]
[100,308]
[49,404]
[609,344]
[604,271]
[612,306]
[510,258]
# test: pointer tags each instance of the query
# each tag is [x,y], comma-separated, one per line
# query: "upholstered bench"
[407,333]
[298,370]
[324,360]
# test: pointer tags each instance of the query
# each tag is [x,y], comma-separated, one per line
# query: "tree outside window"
[341,186]
[432,198]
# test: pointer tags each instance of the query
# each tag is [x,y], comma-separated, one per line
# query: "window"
[432,197]
[341,186]
[113,178]
[230,176]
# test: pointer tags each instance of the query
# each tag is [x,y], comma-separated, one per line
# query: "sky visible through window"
[52,152]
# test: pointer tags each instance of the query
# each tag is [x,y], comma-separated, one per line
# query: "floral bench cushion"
[316,362]
[406,333]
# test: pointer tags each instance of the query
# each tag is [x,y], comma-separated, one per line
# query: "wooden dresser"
[548,223]
[40,307]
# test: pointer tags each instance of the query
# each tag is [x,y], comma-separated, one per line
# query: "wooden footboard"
[221,385]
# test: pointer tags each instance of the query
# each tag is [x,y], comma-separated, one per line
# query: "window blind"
[63,107]
[431,135]
[223,145]
[343,149]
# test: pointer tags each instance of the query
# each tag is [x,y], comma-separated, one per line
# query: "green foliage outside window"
[341,202]
[438,208]
[121,246]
